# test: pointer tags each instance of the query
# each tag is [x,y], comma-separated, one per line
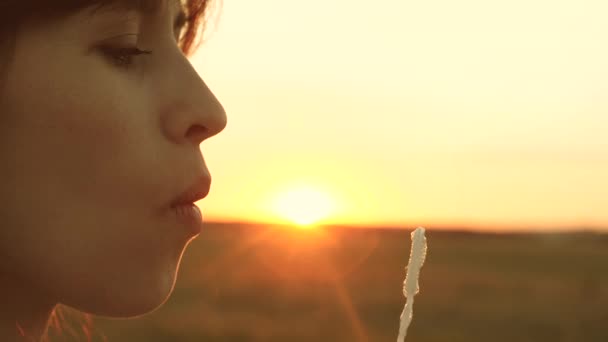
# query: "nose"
[194,114]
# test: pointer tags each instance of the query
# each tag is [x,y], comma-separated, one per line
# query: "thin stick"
[410,285]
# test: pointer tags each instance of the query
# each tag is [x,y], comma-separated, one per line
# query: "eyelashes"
[123,57]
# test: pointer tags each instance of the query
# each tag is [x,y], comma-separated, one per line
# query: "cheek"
[90,140]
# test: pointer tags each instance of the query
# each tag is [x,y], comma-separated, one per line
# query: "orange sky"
[413,112]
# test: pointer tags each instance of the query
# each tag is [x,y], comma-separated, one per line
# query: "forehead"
[143,6]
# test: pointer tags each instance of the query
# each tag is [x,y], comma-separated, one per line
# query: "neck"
[24,310]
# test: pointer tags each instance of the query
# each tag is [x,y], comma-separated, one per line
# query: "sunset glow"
[469,113]
[304,206]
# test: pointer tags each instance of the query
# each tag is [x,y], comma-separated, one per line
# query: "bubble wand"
[410,285]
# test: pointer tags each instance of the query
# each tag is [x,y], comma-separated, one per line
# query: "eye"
[123,57]
[179,34]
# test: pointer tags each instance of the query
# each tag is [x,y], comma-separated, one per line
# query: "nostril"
[197,133]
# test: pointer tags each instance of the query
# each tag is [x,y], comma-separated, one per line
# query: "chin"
[137,308]
[127,307]
[125,301]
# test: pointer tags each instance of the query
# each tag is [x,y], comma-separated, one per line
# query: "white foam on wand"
[410,285]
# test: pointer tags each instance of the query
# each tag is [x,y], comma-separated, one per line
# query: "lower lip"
[190,216]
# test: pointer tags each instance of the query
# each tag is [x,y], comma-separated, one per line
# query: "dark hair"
[15,14]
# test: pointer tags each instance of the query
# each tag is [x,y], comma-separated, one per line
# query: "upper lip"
[198,190]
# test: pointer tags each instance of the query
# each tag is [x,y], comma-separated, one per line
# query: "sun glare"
[304,206]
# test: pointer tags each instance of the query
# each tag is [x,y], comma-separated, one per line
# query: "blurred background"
[277,283]
[353,122]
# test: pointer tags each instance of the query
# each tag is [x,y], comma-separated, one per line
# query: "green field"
[258,283]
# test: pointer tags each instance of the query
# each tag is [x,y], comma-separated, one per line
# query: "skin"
[92,154]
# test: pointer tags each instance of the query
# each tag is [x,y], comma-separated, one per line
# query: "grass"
[257,283]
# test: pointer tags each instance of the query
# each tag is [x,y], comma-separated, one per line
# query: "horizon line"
[582,228]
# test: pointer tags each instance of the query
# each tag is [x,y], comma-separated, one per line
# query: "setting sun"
[304,206]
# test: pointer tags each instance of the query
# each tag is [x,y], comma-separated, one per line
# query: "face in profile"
[96,140]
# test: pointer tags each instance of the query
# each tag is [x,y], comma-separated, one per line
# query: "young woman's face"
[93,150]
